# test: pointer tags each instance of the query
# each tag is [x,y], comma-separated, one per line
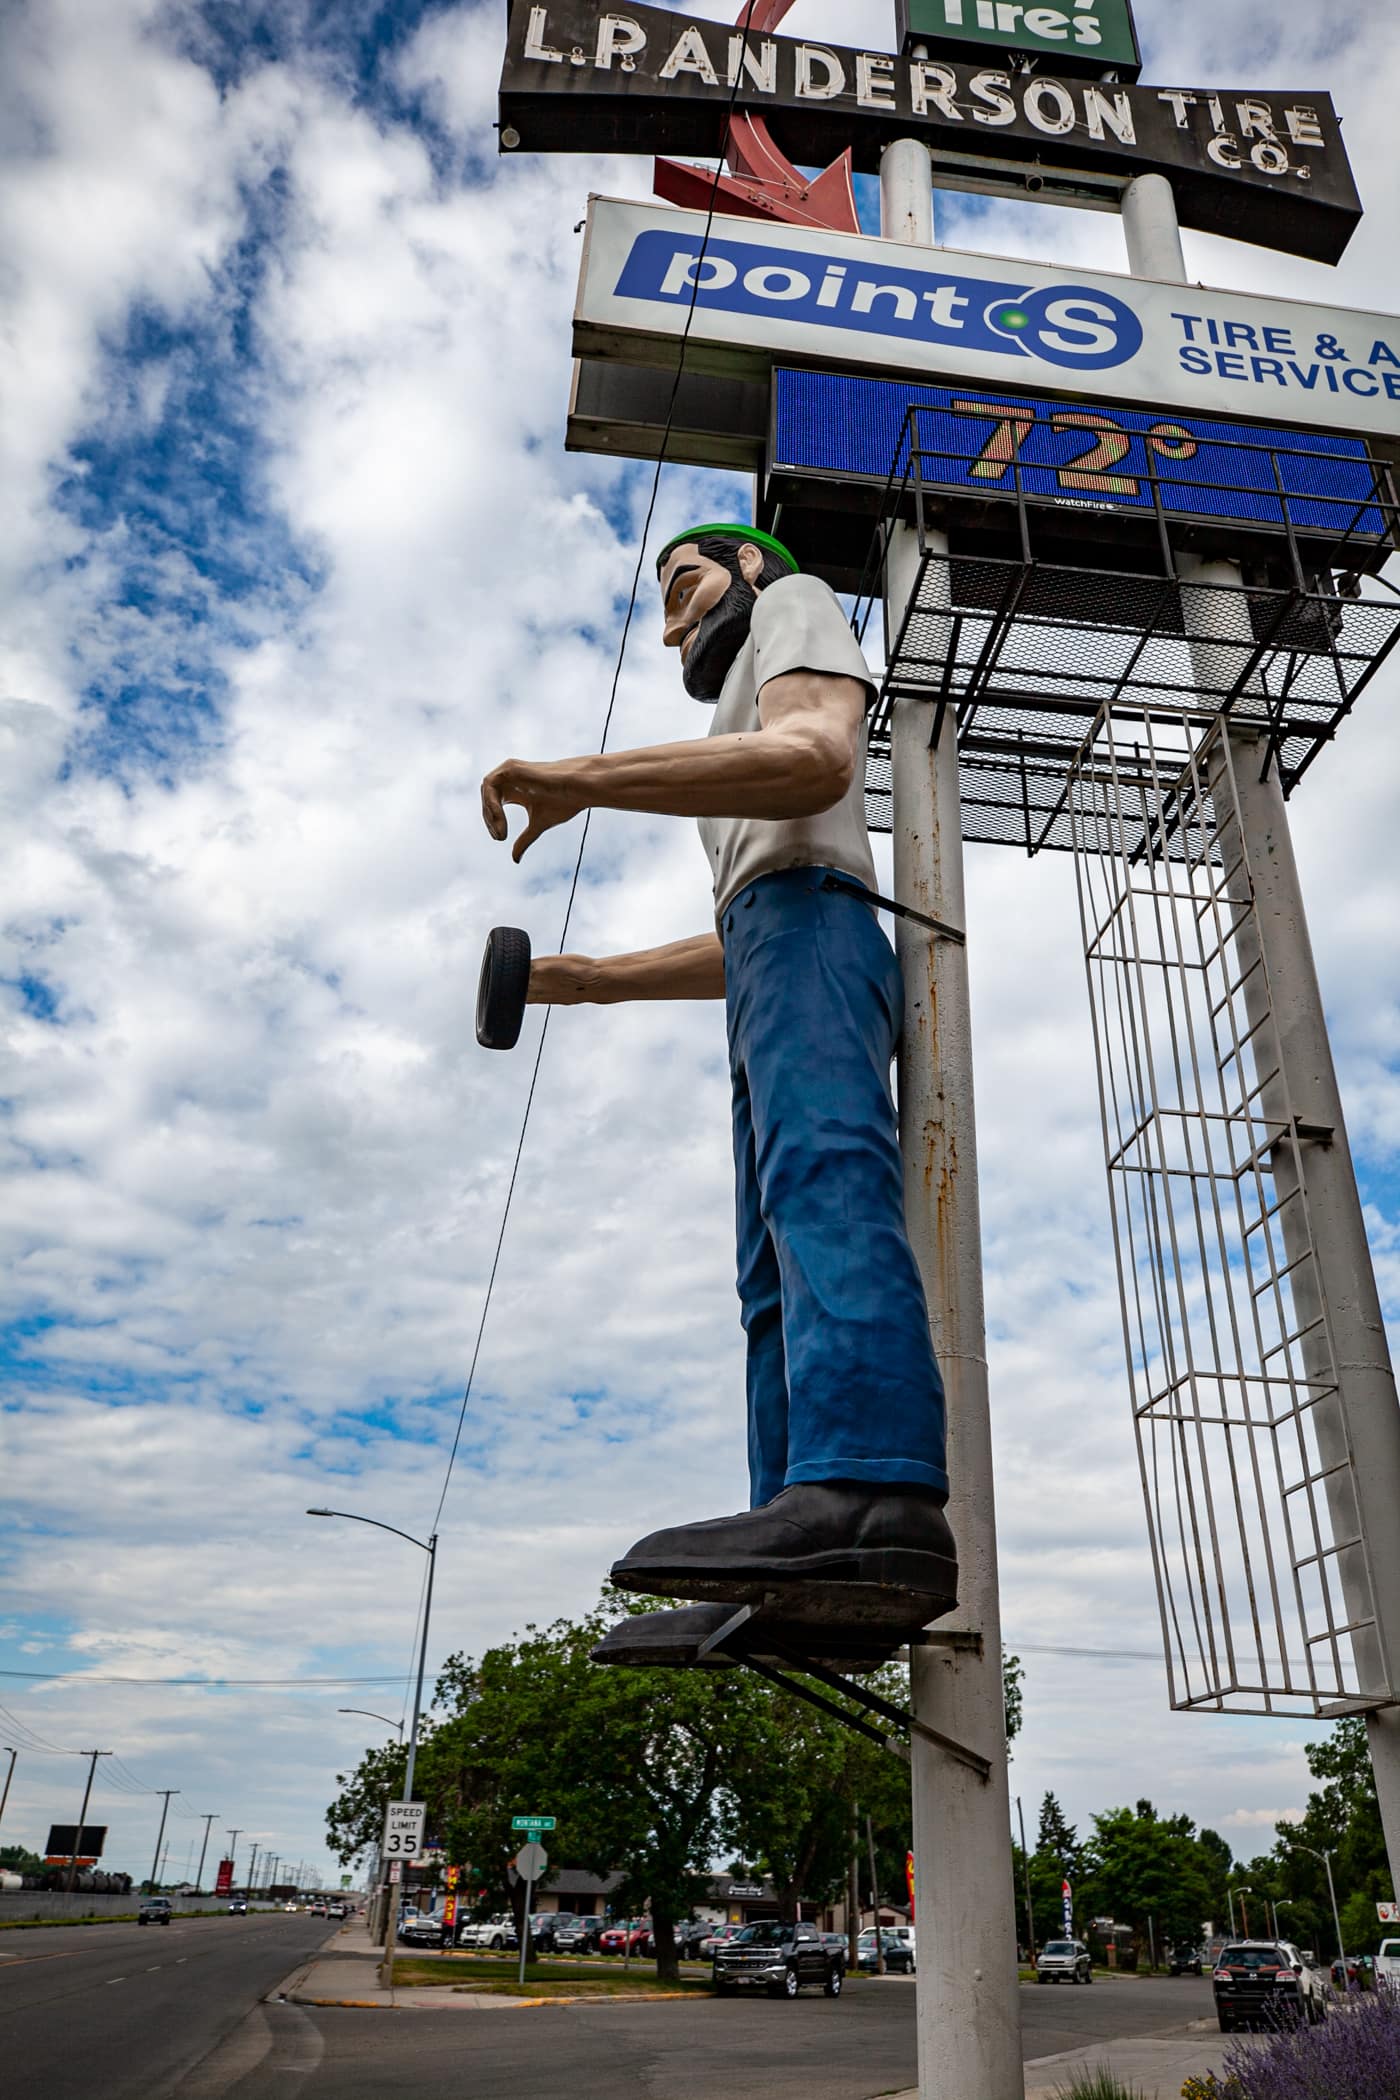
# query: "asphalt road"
[105,2011]
[850,2049]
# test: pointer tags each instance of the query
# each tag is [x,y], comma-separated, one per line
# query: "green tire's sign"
[1081,36]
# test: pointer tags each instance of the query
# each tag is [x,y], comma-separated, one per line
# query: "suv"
[1266,1980]
[1187,1960]
[1064,1961]
[780,1957]
[155,1910]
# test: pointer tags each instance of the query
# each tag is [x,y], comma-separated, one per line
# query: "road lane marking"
[116,1979]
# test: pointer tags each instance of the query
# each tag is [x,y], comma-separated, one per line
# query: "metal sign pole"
[1359,1432]
[968,2003]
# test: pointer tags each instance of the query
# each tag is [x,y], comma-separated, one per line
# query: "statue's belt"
[847,886]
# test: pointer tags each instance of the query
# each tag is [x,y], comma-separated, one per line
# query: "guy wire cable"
[602,746]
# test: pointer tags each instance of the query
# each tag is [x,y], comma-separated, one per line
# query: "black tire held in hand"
[502,987]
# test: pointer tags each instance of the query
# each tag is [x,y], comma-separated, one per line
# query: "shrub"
[1098,2084]
[1212,2088]
[1355,2056]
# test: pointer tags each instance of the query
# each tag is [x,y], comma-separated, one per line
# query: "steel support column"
[969,2020]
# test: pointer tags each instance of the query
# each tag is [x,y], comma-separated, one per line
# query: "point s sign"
[1092,37]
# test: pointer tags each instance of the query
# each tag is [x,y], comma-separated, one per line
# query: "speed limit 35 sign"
[403,1829]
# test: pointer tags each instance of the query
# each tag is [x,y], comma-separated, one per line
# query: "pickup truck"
[1388,1964]
[781,1958]
[155,1910]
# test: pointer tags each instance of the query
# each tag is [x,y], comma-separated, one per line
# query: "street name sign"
[1268,167]
[764,295]
[532,1823]
[403,1829]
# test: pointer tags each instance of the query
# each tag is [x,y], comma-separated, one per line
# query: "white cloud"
[255,1168]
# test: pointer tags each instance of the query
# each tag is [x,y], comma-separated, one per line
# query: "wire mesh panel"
[1262,1577]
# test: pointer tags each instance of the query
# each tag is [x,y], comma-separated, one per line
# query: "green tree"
[1140,1866]
[355,1819]
[1056,1837]
[1342,1817]
[19,1860]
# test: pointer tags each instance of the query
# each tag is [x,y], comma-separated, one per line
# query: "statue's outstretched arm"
[692,969]
[800,762]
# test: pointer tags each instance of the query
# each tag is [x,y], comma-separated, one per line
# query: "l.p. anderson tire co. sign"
[1268,168]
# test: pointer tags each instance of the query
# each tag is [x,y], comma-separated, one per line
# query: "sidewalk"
[347,1973]
[1160,2067]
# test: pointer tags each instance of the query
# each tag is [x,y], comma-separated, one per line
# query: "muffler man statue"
[845,1401]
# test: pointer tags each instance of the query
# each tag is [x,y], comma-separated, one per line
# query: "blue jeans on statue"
[842,1379]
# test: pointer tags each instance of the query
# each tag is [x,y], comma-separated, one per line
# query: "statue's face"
[707,610]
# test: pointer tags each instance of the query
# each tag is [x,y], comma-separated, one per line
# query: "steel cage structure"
[1262,1577]
[1107,711]
[1030,651]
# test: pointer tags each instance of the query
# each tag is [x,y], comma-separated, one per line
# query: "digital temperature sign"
[835,426]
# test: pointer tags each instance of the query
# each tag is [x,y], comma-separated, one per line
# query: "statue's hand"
[562,980]
[537,789]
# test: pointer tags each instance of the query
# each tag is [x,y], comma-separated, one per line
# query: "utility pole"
[875,1898]
[1026,1870]
[165,1794]
[14,1754]
[92,1757]
[233,1836]
[1326,1859]
[853,1915]
[204,1846]
[1342,1328]
[968,1994]
[252,1875]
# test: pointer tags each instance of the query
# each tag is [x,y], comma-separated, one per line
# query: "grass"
[542,1979]
[104,1917]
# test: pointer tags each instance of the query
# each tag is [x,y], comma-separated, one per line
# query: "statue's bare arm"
[692,969]
[801,762]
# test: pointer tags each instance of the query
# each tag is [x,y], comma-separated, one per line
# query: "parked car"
[627,1936]
[155,1910]
[899,1956]
[1064,1961]
[1187,1961]
[545,1927]
[578,1936]
[497,1932]
[781,1958]
[423,1928]
[1388,1964]
[1266,1980]
[720,1937]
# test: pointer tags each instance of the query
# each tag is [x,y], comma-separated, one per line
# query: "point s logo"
[1074,327]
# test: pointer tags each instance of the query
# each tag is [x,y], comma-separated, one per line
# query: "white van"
[1388,1964]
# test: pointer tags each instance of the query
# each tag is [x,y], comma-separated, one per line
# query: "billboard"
[223,1880]
[838,426]
[763,296]
[65,1839]
[1269,167]
[1093,36]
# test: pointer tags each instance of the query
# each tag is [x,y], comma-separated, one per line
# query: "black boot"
[831,1552]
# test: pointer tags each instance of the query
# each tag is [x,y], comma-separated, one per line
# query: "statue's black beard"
[718,639]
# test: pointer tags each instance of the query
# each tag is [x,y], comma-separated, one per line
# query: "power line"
[203,1684]
[602,746]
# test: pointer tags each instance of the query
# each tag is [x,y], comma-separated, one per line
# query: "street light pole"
[252,1876]
[372,1717]
[430,1548]
[1242,1891]
[204,1846]
[92,1757]
[1326,1859]
[165,1793]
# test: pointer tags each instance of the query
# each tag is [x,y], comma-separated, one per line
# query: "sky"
[290,553]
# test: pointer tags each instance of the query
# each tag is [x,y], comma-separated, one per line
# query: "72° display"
[838,425]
